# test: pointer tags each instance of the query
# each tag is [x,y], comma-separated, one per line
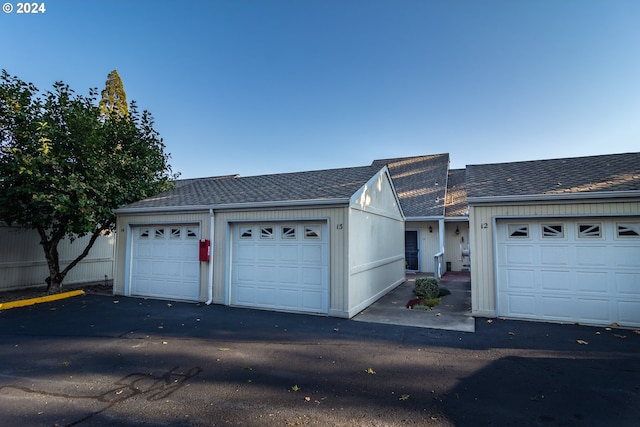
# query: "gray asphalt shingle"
[233,189]
[420,182]
[613,172]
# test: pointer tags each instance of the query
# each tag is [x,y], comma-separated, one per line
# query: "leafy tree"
[64,167]
[114,98]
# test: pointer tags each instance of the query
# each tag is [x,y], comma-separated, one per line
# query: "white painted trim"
[424,218]
[233,206]
[371,265]
[560,198]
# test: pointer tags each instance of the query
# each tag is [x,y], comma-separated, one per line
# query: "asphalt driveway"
[112,361]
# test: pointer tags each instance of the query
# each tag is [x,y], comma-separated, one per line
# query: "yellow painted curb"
[32,301]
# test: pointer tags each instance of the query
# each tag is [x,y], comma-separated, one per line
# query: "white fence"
[22,261]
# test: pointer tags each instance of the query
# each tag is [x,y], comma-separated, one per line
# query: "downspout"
[210,279]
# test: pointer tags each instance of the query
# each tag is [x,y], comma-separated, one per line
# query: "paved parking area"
[113,361]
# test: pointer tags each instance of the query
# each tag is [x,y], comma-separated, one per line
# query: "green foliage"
[427,304]
[426,287]
[443,292]
[114,98]
[64,168]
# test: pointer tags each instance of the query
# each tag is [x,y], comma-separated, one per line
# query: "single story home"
[551,240]
[557,240]
[328,242]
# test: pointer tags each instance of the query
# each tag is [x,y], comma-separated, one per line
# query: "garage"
[164,261]
[584,270]
[280,266]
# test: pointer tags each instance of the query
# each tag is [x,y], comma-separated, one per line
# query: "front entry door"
[411,249]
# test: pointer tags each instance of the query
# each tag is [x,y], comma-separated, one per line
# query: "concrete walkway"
[453,313]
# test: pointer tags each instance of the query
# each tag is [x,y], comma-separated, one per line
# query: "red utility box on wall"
[204,250]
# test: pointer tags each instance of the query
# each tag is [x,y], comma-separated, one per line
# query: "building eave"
[236,206]
[561,198]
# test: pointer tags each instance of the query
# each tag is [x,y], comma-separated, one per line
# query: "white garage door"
[281,266]
[164,262]
[585,271]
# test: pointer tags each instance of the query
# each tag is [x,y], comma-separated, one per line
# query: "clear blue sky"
[270,86]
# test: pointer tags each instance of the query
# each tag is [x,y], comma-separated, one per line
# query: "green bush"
[427,304]
[426,287]
[443,292]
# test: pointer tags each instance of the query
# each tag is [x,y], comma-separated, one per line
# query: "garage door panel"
[288,254]
[628,283]
[593,310]
[165,263]
[312,301]
[629,312]
[556,307]
[520,254]
[312,254]
[592,282]
[523,305]
[591,256]
[289,298]
[555,280]
[145,250]
[520,279]
[292,270]
[583,277]
[266,253]
[244,252]
[266,273]
[627,256]
[288,274]
[312,276]
[556,256]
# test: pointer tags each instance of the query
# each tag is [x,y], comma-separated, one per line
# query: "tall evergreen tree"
[114,98]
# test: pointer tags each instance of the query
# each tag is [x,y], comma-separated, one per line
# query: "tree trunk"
[50,246]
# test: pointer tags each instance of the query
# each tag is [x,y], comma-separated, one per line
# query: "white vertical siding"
[481,220]
[22,261]
[376,244]
[454,242]
[428,242]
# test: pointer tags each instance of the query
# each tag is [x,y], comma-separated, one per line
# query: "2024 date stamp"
[24,8]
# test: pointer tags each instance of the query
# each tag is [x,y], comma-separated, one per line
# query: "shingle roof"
[456,204]
[420,182]
[614,172]
[232,189]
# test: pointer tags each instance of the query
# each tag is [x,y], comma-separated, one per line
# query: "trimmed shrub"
[426,287]
[443,292]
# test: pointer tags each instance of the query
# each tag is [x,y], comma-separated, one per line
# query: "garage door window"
[312,232]
[246,233]
[192,233]
[266,232]
[518,231]
[288,233]
[628,230]
[144,233]
[552,231]
[176,233]
[159,233]
[590,231]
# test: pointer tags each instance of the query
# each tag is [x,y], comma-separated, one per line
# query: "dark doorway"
[411,249]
